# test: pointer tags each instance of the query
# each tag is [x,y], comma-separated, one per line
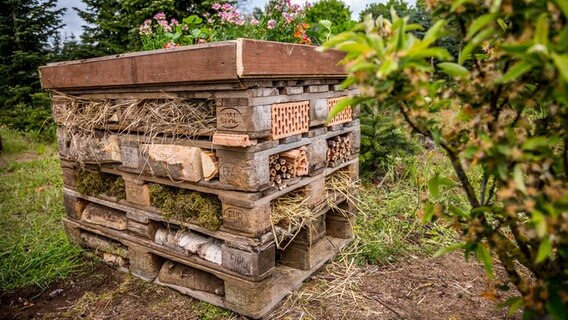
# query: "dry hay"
[340,186]
[169,116]
[289,213]
[328,293]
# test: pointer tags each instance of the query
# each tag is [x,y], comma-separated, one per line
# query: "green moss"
[206,311]
[95,183]
[186,205]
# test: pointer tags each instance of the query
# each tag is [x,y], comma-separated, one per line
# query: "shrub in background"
[502,111]
[383,143]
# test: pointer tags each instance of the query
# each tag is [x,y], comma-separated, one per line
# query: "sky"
[73,22]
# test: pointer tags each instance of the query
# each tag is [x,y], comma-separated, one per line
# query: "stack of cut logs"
[338,149]
[287,165]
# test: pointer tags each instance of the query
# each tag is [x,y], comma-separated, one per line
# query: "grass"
[34,250]
[388,226]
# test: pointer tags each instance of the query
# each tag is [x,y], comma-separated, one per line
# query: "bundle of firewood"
[338,149]
[288,164]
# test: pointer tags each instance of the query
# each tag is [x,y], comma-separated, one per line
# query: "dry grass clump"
[328,293]
[94,183]
[185,205]
[289,213]
[168,116]
[340,186]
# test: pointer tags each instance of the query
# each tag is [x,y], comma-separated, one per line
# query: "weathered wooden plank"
[210,62]
[191,278]
[104,216]
[265,59]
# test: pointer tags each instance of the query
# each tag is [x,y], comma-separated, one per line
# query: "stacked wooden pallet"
[210,180]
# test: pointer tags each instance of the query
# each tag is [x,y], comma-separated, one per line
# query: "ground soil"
[416,288]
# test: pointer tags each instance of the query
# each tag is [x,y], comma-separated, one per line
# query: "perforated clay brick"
[289,119]
[344,116]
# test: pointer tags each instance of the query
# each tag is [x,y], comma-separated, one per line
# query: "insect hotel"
[209,169]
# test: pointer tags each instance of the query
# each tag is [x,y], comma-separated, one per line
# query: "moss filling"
[184,205]
[95,183]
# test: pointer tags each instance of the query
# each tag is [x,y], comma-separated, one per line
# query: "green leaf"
[428,213]
[438,53]
[458,211]
[483,256]
[561,62]
[502,24]
[515,72]
[434,186]
[433,33]
[458,3]
[536,143]
[563,5]
[541,33]
[342,104]
[449,249]
[465,54]
[519,180]
[362,66]
[514,304]
[453,69]
[348,82]
[539,221]
[326,24]
[479,23]
[544,250]
[413,26]
[387,67]
[354,47]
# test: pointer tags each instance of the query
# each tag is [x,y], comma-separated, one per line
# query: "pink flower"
[227,7]
[254,22]
[210,20]
[216,6]
[289,18]
[271,24]
[160,16]
[145,29]
[164,24]
[147,22]
[174,22]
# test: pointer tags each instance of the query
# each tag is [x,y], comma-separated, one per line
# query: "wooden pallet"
[195,161]
[249,258]
[152,262]
[242,212]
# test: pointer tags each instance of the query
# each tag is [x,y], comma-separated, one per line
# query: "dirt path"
[418,288]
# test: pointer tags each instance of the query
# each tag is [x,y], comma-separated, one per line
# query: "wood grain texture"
[222,62]
[266,59]
[174,66]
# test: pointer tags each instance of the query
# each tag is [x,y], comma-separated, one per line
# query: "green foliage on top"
[335,11]
[500,110]
[112,25]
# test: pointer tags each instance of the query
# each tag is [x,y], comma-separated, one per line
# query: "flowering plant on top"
[158,32]
[280,21]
